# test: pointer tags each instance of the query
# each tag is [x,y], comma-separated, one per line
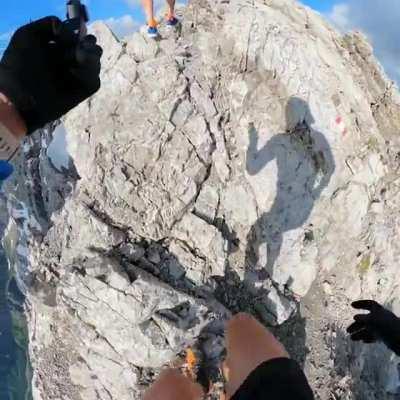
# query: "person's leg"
[171,9]
[149,10]
[172,385]
[249,344]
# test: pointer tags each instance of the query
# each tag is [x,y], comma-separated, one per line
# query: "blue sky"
[320,5]
[18,12]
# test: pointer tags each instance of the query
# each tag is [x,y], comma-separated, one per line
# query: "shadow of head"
[297,112]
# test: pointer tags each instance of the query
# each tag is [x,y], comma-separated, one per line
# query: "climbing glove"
[47,70]
[380,324]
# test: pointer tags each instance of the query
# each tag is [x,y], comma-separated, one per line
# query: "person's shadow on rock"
[305,165]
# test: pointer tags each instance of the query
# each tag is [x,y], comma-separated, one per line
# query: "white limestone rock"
[250,156]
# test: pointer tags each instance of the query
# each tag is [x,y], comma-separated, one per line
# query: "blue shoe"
[172,22]
[6,170]
[152,32]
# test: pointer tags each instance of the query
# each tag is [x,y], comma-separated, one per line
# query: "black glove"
[379,324]
[46,71]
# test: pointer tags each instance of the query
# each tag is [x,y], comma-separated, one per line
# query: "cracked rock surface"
[248,161]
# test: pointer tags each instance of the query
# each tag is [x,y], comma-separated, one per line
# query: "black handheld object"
[48,69]
[77,18]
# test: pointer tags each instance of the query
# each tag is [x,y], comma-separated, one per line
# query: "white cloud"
[123,26]
[379,20]
[136,3]
[340,16]
[159,5]
[126,24]
[133,3]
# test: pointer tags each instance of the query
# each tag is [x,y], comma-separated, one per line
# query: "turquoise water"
[15,379]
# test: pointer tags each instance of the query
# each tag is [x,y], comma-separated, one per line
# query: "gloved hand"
[379,324]
[46,71]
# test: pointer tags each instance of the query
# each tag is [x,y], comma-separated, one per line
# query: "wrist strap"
[9,144]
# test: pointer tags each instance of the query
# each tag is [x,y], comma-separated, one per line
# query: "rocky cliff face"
[246,162]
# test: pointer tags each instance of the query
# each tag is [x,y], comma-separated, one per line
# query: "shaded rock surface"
[246,162]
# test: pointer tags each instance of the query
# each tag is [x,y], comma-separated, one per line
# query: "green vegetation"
[373,144]
[364,265]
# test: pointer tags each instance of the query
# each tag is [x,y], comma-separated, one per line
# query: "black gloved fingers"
[45,29]
[87,79]
[87,62]
[359,335]
[364,335]
[88,65]
[89,44]
[88,71]
[93,52]
[90,40]
[88,55]
[370,338]
[369,305]
[363,319]
[355,327]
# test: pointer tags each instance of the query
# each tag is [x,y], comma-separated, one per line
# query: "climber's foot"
[172,22]
[152,32]
[172,385]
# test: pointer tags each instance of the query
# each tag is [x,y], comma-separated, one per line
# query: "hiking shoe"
[172,22]
[152,32]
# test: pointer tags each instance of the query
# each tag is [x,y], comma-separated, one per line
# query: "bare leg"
[149,10]
[249,344]
[172,385]
[171,8]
